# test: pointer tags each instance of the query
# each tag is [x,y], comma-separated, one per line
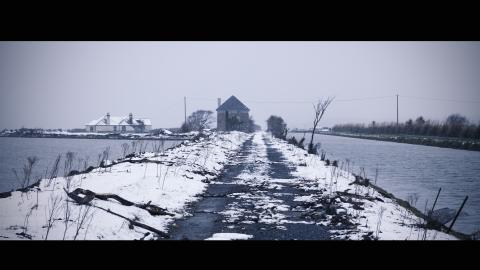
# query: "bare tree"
[198,121]
[277,126]
[319,109]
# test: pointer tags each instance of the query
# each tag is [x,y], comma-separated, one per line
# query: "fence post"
[434,203]
[458,213]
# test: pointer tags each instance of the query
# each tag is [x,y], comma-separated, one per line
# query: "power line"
[360,99]
[442,99]
[295,101]
[341,100]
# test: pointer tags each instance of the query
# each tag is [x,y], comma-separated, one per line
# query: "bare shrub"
[69,157]
[27,172]
[67,168]
[99,159]
[145,174]
[66,216]
[319,109]
[103,158]
[25,223]
[88,226]
[165,176]
[54,170]
[51,212]
[83,213]
[140,146]
[379,222]
[125,147]
[425,222]
[134,147]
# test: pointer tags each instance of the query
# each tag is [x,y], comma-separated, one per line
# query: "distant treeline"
[455,125]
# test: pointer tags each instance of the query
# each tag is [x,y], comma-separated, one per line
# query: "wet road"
[261,205]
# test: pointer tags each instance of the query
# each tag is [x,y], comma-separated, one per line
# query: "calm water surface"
[14,152]
[406,169]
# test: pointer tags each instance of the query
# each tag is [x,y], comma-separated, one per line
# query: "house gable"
[233,104]
[232,115]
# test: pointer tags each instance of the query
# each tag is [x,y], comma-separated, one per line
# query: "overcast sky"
[67,84]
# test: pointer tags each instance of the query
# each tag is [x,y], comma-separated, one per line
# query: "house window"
[91,129]
[114,128]
[124,128]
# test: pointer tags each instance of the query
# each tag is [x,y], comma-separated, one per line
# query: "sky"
[68,84]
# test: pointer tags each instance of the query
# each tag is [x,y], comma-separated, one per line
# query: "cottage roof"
[119,121]
[233,104]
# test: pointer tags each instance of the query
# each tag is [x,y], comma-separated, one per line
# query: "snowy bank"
[133,198]
[34,133]
[351,207]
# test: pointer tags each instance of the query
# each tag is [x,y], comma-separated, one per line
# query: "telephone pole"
[397,109]
[185,107]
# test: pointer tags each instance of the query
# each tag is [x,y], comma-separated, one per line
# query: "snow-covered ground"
[354,211]
[172,179]
[179,175]
[373,214]
[267,207]
[229,236]
[164,134]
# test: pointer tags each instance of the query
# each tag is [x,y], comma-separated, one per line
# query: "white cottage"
[109,123]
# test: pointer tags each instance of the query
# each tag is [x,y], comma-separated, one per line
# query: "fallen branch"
[90,195]
[136,223]
[358,196]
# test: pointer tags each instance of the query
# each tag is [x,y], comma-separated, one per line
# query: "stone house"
[233,115]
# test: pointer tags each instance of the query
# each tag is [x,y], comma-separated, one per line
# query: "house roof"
[233,104]
[119,121]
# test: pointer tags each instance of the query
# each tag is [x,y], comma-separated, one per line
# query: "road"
[254,196]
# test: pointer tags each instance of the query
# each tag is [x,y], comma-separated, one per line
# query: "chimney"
[108,118]
[219,102]
[130,118]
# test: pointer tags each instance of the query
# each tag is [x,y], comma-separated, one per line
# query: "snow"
[308,198]
[268,208]
[393,221]
[119,120]
[128,135]
[230,236]
[183,172]
[169,187]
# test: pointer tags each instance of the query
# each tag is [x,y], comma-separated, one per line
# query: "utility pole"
[397,110]
[185,106]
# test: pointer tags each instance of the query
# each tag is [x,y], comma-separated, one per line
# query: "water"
[405,169]
[14,152]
